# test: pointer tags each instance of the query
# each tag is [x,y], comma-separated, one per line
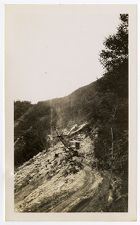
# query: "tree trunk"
[112,140]
[112,152]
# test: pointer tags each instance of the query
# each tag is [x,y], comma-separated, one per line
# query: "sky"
[53,50]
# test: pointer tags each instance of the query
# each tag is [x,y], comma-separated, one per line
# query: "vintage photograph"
[69,69]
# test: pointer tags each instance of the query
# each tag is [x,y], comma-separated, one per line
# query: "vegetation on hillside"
[20,107]
[111,146]
[39,121]
[100,164]
[103,103]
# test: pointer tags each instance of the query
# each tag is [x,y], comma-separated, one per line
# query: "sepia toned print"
[71,145]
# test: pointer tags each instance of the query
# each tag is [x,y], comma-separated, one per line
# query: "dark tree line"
[31,133]
[111,146]
[20,107]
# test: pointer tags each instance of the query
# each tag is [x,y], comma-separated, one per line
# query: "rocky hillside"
[41,119]
[64,179]
[59,163]
[71,153]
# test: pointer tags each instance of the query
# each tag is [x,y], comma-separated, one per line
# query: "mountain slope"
[59,180]
[40,120]
[71,153]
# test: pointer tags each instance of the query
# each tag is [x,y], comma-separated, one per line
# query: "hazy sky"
[53,50]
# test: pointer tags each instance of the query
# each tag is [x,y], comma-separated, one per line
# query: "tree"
[111,146]
[116,46]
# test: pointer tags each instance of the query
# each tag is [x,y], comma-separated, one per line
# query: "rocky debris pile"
[45,165]
[52,175]
[42,166]
[74,165]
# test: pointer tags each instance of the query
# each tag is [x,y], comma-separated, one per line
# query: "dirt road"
[92,179]
[83,191]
